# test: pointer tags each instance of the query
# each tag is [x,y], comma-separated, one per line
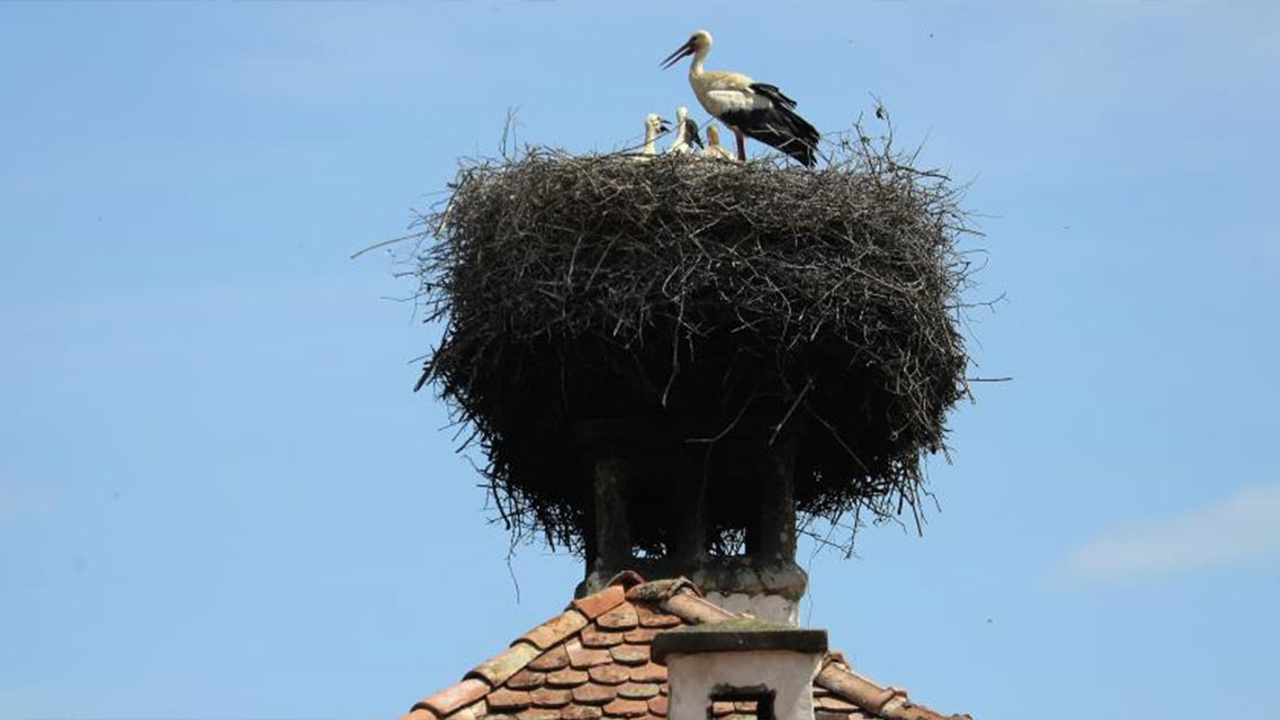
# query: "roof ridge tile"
[556,629]
[657,591]
[890,703]
[498,668]
[454,697]
[694,609]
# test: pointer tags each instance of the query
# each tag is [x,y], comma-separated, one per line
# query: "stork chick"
[714,149]
[686,133]
[653,127]
[752,109]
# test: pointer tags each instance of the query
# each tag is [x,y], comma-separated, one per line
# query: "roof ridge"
[491,673]
[606,617]
[888,702]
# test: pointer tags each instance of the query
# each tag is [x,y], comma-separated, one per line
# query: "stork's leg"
[742,145]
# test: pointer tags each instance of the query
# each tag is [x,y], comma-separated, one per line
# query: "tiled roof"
[592,662]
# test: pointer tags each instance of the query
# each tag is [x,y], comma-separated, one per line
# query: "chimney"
[655,479]
[769,666]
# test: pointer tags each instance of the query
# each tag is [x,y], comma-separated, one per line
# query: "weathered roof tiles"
[593,662]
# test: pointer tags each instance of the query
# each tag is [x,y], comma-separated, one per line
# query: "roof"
[592,662]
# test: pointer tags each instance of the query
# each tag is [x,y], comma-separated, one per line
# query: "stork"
[653,127]
[750,108]
[714,149]
[686,133]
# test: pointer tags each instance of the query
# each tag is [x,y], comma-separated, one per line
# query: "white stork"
[750,108]
[686,133]
[653,127]
[714,149]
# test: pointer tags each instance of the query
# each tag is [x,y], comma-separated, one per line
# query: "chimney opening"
[754,701]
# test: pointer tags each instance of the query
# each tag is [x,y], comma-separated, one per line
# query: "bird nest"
[601,287]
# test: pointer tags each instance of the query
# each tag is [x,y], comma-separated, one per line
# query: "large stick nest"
[603,287]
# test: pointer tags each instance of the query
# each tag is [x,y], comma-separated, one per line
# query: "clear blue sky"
[219,499]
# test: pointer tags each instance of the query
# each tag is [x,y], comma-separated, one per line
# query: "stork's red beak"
[685,50]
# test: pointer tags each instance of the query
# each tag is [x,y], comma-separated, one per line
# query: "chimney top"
[741,634]
[765,667]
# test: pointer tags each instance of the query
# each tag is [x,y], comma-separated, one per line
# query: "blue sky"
[219,499]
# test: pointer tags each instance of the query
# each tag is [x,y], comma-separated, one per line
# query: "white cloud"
[1243,527]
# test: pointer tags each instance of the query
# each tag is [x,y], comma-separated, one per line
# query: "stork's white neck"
[649,136]
[695,67]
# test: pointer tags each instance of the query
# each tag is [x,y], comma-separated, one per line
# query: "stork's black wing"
[773,93]
[691,132]
[777,125]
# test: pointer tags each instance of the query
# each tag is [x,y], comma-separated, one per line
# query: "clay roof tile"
[596,605]
[626,708]
[622,617]
[553,659]
[630,654]
[567,677]
[526,680]
[594,694]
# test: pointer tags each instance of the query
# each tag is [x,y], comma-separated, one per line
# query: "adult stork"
[754,109]
[686,133]
[714,149]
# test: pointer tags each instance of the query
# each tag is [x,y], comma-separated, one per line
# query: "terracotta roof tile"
[581,712]
[567,677]
[419,714]
[504,700]
[641,635]
[609,674]
[650,672]
[694,609]
[594,694]
[622,617]
[551,697]
[595,638]
[658,706]
[638,691]
[556,629]
[596,605]
[655,619]
[454,697]
[580,657]
[535,713]
[630,654]
[497,669]
[626,708]
[830,702]
[526,680]
[553,659]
